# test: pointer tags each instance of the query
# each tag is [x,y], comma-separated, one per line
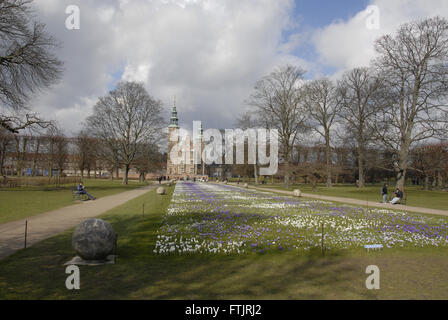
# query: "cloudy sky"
[208,53]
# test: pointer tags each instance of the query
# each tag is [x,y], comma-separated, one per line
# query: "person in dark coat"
[384,192]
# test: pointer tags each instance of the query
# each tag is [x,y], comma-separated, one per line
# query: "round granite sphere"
[160,190]
[246,185]
[297,193]
[94,239]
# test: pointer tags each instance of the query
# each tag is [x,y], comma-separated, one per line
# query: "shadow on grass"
[39,273]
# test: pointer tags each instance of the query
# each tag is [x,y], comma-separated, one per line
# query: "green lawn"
[21,202]
[415,195]
[38,272]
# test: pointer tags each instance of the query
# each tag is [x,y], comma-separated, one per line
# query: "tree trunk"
[361,183]
[2,157]
[255,174]
[402,165]
[20,154]
[125,174]
[50,169]
[142,178]
[439,179]
[36,154]
[328,158]
[426,183]
[2,162]
[314,183]
[50,164]
[286,178]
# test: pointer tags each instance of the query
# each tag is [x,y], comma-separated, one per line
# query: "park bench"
[77,195]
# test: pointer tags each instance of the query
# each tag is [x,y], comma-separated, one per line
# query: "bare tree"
[36,145]
[148,159]
[277,103]
[85,152]
[323,102]
[27,62]
[430,160]
[21,151]
[55,149]
[360,90]
[61,153]
[108,154]
[6,142]
[247,121]
[127,117]
[413,64]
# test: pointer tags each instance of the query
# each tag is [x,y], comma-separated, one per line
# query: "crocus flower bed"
[211,218]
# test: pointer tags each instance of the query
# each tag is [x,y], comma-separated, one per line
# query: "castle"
[182,167]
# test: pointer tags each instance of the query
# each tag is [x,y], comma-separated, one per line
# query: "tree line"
[51,153]
[395,104]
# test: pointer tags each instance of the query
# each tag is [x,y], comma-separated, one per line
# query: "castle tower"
[183,166]
[173,138]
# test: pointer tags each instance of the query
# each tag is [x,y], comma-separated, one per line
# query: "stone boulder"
[246,185]
[161,190]
[297,193]
[94,239]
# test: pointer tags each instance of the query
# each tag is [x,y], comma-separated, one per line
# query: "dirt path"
[45,225]
[358,202]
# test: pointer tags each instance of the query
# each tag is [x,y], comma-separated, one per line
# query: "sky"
[208,53]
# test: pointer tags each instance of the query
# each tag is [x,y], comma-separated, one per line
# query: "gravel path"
[50,223]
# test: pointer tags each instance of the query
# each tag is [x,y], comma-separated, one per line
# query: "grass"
[20,202]
[416,197]
[38,272]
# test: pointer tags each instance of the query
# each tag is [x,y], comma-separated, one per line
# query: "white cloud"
[137,73]
[208,53]
[348,44]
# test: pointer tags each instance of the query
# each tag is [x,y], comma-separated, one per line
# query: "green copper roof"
[174,121]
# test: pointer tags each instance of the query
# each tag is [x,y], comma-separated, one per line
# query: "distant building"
[183,166]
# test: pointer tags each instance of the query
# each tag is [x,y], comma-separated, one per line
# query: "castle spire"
[174,121]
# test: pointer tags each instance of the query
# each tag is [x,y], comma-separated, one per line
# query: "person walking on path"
[384,192]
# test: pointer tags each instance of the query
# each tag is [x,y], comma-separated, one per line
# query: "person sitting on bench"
[82,190]
[397,196]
